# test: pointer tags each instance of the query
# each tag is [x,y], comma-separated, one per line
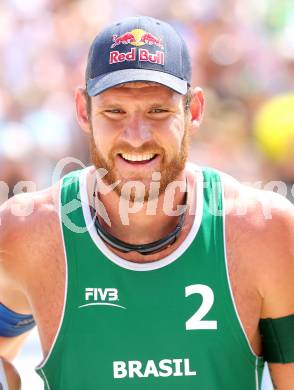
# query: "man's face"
[138,129]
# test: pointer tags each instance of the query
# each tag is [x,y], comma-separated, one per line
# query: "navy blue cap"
[138,49]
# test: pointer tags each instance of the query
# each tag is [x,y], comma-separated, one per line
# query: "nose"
[137,131]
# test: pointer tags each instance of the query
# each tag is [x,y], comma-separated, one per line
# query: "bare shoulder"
[257,211]
[260,230]
[27,222]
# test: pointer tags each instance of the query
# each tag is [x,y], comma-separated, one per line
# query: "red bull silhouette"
[150,39]
[124,39]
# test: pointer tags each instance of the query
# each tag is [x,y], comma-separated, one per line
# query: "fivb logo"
[95,296]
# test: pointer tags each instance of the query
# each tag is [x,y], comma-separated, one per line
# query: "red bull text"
[144,55]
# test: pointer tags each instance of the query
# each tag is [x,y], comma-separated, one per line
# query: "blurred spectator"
[16,147]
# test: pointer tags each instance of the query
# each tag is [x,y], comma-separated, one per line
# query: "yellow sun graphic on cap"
[138,33]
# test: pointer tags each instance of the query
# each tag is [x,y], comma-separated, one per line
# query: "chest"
[48,290]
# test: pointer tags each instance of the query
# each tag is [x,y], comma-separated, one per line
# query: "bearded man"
[152,273]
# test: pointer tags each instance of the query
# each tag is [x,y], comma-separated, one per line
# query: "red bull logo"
[124,39]
[150,39]
[144,55]
[136,37]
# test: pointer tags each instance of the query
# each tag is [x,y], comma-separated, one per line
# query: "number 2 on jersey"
[195,322]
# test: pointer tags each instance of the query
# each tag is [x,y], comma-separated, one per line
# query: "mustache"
[148,147]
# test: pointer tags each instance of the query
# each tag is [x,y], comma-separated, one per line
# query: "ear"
[81,110]
[197,107]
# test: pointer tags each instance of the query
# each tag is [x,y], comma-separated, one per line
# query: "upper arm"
[278,280]
[278,261]
[28,224]
[12,294]
[12,257]
[263,228]
[27,231]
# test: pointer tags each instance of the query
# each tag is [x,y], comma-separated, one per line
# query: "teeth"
[138,157]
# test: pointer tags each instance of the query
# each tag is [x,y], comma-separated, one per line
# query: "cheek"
[103,138]
[171,137]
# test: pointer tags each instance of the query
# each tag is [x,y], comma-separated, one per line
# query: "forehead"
[139,90]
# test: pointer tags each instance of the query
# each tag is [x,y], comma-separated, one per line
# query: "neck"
[141,223]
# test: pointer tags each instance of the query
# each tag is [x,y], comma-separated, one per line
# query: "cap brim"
[109,80]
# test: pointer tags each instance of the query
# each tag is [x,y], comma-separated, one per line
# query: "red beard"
[169,170]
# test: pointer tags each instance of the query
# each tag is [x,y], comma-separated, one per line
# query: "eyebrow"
[108,103]
[120,102]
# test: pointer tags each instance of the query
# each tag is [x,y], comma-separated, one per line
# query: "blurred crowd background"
[243,58]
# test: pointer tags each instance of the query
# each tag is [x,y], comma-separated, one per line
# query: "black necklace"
[143,249]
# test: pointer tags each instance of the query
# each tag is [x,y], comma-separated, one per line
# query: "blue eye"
[114,111]
[157,110]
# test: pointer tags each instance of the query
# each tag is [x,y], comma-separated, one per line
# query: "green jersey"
[170,324]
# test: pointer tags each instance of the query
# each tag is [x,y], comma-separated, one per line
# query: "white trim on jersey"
[256,374]
[142,266]
[45,379]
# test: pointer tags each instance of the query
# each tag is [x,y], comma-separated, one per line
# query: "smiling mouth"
[138,158]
